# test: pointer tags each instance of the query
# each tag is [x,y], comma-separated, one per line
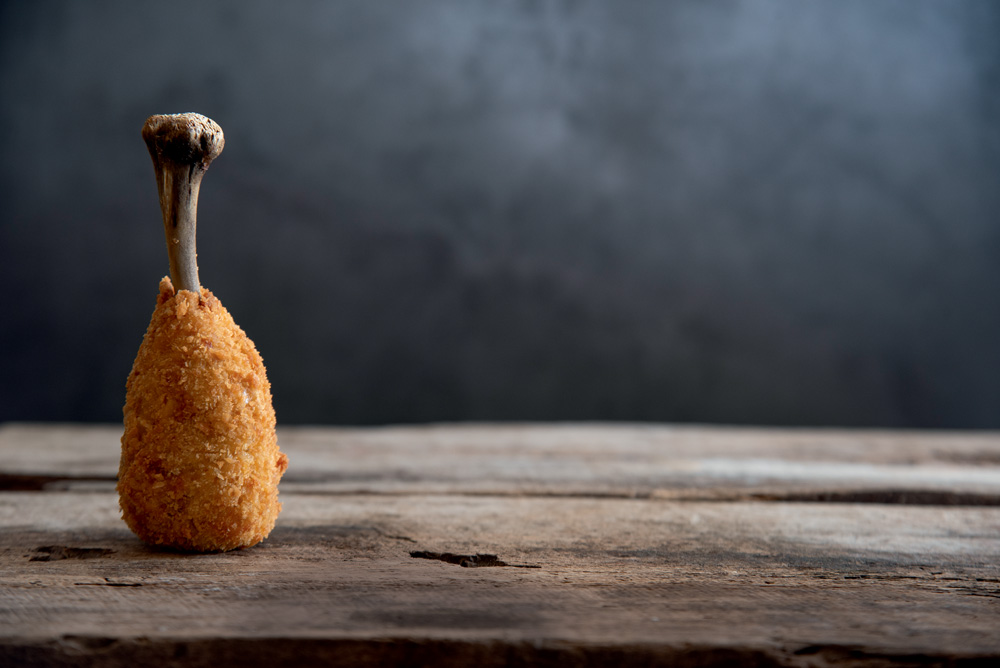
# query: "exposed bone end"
[187,139]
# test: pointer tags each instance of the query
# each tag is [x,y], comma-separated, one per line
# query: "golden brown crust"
[200,462]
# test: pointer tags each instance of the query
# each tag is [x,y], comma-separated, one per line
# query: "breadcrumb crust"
[200,462]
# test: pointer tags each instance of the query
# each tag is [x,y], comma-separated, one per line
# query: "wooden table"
[611,545]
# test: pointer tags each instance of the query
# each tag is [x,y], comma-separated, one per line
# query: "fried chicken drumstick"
[200,462]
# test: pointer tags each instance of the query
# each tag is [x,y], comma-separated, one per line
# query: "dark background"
[765,212]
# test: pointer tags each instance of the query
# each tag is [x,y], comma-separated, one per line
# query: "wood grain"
[614,556]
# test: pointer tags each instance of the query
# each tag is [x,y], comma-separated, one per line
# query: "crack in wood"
[110,583]
[18,482]
[60,552]
[906,497]
[397,650]
[911,497]
[468,560]
[13,482]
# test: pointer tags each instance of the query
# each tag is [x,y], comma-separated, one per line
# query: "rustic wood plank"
[597,571]
[630,461]
[764,578]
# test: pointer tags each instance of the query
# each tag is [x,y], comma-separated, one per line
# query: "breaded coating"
[200,463]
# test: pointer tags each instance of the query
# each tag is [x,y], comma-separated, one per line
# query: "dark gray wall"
[764,212]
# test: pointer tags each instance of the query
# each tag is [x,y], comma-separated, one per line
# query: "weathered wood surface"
[627,545]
